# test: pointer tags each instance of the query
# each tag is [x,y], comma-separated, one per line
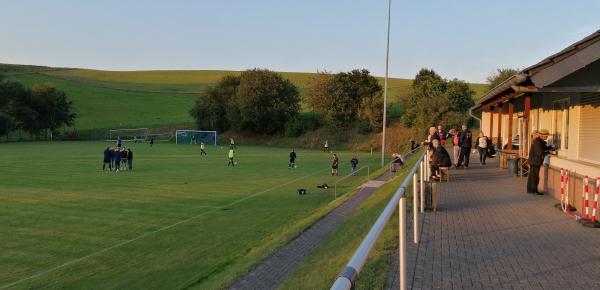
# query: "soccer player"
[107,155]
[292,163]
[326,146]
[231,155]
[231,143]
[354,163]
[193,140]
[129,159]
[151,141]
[335,162]
[123,158]
[202,149]
[116,159]
[119,142]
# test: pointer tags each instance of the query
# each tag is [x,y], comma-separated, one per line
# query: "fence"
[350,273]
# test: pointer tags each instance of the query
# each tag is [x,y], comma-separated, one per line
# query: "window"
[560,124]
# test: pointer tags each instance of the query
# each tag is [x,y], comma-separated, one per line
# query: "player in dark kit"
[292,163]
[107,157]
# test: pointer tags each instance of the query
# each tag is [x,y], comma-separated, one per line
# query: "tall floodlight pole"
[385,84]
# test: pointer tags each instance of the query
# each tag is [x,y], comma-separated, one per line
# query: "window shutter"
[589,127]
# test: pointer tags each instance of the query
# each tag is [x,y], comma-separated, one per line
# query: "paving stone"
[490,234]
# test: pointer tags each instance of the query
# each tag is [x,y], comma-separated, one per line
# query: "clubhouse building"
[561,94]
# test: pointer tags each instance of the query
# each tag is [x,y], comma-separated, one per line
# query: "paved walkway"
[273,271]
[489,234]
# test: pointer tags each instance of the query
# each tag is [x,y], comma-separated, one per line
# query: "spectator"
[538,151]
[455,147]
[440,158]
[465,138]
[397,162]
[431,136]
[442,135]
[482,147]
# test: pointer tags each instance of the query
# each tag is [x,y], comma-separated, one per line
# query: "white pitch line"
[150,233]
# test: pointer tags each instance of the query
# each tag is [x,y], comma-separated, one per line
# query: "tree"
[266,101]
[43,108]
[434,100]
[9,91]
[499,76]
[211,108]
[347,97]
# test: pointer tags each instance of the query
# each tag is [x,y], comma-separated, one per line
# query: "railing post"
[402,241]
[422,183]
[415,210]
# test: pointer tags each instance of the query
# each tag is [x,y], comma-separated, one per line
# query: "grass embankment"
[320,269]
[179,220]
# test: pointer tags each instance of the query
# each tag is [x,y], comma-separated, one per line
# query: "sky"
[458,39]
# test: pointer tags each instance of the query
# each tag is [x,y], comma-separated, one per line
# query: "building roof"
[549,70]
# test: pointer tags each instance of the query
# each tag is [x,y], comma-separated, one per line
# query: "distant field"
[126,99]
[178,221]
[109,108]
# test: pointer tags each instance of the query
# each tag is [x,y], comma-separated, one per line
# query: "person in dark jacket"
[354,164]
[129,159]
[538,151]
[107,156]
[292,163]
[123,158]
[465,140]
[440,158]
[116,159]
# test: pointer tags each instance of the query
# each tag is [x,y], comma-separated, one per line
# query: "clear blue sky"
[462,39]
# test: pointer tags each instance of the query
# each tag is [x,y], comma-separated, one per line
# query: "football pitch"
[178,220]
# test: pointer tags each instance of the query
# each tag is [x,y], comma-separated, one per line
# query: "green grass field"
[177,221]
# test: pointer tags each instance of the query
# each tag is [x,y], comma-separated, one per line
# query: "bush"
[303,123]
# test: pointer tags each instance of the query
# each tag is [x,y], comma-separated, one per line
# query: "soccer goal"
[137,134]
[195,137]
[160,137]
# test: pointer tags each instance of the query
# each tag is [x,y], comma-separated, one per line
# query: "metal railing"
[351,174]
[348,276]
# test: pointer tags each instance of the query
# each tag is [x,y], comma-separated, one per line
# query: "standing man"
[465,140]
[231,155]
[106,160]
[292,163]
[231,143]
[335,162]
[119,142]
[129,159]
[193,140]
[539,149]
[151,141]
[354,164]
[202,149]
[326,146]
[116,158]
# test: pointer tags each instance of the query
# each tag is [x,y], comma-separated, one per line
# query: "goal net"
[158,137]
[195,137]
[138,134]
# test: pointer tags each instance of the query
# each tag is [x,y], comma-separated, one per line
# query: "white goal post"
[195,137]
[137,134]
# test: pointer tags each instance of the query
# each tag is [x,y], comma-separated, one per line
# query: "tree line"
[262,101]
[40,110]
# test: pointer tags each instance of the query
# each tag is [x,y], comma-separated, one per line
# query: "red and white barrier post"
[586,199]
[567,206]
[595,210]
[562,189]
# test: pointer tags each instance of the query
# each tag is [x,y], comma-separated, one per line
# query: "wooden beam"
[499,140]
[511,109]
[521,89]
[527,130]
[491,132]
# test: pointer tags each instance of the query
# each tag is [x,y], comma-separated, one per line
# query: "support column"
[499,126]
[511,109]
[491,132]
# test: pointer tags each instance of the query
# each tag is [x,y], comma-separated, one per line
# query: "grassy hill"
[160,98]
